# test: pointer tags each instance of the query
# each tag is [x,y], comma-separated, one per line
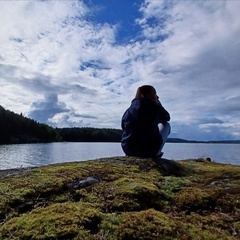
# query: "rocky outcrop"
[121,198]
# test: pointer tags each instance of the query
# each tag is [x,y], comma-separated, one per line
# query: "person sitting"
[145,125]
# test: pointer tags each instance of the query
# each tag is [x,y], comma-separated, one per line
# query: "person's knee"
[167,126]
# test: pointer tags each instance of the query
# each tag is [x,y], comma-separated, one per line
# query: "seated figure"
[145,125]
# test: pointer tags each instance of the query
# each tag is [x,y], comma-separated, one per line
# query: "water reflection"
[29,155]
[222,153]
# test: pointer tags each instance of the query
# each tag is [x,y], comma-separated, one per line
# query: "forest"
[90,134]
[15,128]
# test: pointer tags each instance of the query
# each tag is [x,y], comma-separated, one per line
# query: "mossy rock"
[123,198]
[57,221]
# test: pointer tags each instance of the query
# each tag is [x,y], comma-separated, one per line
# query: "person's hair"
[145,91]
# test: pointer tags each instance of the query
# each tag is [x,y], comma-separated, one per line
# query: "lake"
[30,155]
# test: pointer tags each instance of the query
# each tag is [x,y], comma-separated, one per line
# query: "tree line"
[15,128]
[90,134]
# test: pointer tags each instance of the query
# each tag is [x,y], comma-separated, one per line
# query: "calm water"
[29,155]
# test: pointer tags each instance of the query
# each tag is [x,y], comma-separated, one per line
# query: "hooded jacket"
[141,136]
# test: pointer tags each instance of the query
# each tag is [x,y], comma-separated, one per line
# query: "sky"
[79,63]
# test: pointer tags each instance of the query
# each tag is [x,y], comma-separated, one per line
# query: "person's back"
[141,136]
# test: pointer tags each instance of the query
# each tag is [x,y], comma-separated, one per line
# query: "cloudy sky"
[79,63]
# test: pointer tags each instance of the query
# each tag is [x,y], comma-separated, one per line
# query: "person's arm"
[164,115]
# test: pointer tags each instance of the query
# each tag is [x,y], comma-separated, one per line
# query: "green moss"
[195,199]
[133,200]
[152,224]
[64,221]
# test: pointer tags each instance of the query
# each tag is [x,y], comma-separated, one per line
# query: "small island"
[121,198]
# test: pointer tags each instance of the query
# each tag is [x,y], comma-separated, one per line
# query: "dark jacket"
[141,135]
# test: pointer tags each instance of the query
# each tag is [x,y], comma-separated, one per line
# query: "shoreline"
[23,171]
[15,172]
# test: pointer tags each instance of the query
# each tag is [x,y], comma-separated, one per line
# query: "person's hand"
[158,102]
[155,98]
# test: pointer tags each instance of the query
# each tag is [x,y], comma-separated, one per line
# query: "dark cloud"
[210,120]
[44,110]
[85,116]
[230,106]
[45,85]
[77,88]
[6,71]
[40,83]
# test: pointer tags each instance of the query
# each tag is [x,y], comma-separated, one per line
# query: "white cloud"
[200,56]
